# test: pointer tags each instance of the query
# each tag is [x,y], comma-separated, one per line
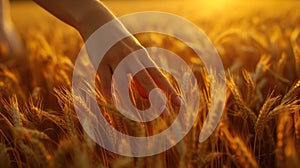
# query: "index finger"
[162,82]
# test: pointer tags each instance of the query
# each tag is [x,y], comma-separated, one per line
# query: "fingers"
[151,78]
[145,80]
[162,82]
[144,83]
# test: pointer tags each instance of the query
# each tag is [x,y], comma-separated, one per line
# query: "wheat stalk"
[15,112]
[250,87]
[296,51]
[261,122]
[244,155]
[286,155]
[4,156]
[265,53]
[245,110]
[32,134]
[41,152]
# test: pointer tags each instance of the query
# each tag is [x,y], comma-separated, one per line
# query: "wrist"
[89,19]
[97,15]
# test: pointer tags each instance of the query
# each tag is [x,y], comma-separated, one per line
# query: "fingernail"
[178,101]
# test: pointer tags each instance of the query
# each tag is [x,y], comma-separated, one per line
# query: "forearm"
[4,11]
[84,15]
[87,16]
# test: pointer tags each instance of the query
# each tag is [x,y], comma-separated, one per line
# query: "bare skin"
[10,42]
[87,16]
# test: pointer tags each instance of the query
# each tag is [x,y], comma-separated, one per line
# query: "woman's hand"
[145,80]
[89,15]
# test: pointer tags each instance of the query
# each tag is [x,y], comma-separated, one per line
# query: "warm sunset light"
[219,4]
[150,83]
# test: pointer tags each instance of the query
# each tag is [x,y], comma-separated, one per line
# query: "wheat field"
[259,44]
